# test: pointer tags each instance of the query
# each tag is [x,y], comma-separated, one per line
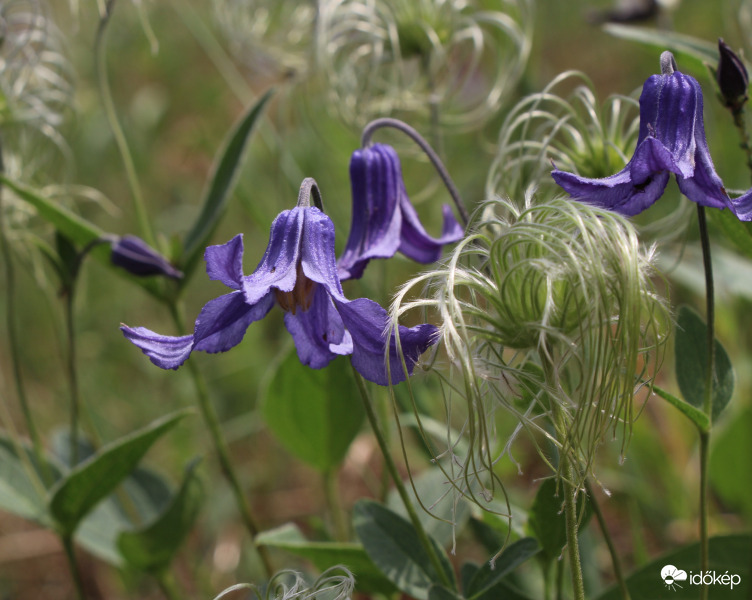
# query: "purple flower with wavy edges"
[671,140]
[138,258]
[299,273]
[383,219]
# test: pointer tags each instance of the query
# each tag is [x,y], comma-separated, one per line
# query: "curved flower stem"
[708,401]
[392,468]
[117,131]
[211,421]
[615,562]
[309,188]
[430,153]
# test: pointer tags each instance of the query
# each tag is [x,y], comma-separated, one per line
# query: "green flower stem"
[168,586]
[392,468]
[567,479]
[708,401]
[72,374]
[615,561]
[117,131]
[70,555]
[220,447]
[13,342]
[334,506]
[741,127]
[570,514]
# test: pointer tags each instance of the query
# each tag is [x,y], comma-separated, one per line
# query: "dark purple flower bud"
[138,258]
[671,140]
[732,77]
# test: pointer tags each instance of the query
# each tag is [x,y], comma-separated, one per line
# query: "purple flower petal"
[367,323]
[375,177]
[225,262]
[222,322]
[615,193]
[278,267]
[165,351]
[417,244]
[316,330]
[383,219]
[221,325]
[317,252]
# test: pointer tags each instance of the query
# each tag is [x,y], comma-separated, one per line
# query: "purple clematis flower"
[383,219]
[671,140]
[138,258]
[299,273]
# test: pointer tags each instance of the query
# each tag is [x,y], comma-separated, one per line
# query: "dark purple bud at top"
[733,80]
[138,258]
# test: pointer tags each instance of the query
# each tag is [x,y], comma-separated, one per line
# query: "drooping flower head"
[383,219]
[671,140]
[299,273]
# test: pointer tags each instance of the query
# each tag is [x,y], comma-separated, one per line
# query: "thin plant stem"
[70,555]
[334,506]
[13,341]
[365,139]
[615,561]
[75,401]
[741,127]
[211,421]
[401,490]
[117,131]
[708,400]
[570,514]
[168,586]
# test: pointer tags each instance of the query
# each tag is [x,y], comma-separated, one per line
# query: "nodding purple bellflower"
[299,273]
[671,140]
[383,219]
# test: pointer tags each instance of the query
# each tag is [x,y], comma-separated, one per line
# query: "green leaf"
[439,592]
[325,554]
[148,496]
[488,578]
[699,418]
[78,492]
[22,481]
[314,413]
[696,50]
[547,521]
[434,492]
[730,553]
[153,547]
[393,545]
[76,228]
[222,180]
[467,572]
[737,232]
[731,462]
[691,364]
